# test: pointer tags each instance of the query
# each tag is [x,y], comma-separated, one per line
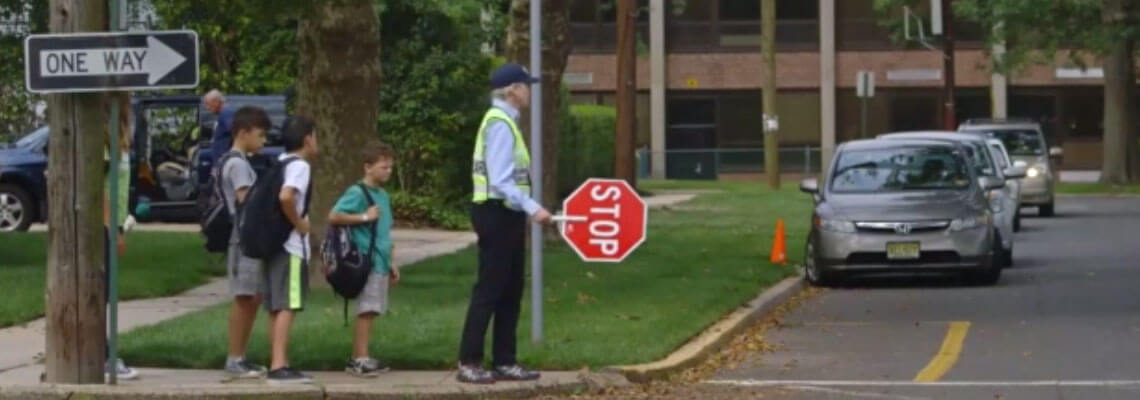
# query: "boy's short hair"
[298,128]
[375,152]
[249,118]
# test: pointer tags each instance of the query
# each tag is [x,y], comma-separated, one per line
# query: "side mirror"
[1021,164]
[988,183]
[1056,152]
[809,186]
[1015,172]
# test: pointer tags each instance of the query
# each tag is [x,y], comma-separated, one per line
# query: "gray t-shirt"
[236,174]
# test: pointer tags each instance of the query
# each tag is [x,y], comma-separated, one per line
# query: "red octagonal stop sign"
[605,220]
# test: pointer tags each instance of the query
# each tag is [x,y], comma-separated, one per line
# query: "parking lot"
[1061,323]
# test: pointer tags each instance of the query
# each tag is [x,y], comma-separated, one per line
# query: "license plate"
[903,251]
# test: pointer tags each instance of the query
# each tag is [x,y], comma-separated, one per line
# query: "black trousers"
[498,292]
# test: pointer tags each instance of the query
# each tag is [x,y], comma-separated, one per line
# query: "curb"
[713,338]
[1102,195]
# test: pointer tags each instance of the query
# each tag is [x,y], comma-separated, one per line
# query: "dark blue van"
[170,160]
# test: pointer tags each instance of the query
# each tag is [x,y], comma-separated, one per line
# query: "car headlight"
[1036,171]
[962,224]
[835,225]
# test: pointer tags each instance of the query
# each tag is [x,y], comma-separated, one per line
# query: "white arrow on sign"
[156,60]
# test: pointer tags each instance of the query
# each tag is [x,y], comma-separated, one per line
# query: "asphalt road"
[1063,323]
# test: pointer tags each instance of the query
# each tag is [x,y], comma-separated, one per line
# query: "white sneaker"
[122,371]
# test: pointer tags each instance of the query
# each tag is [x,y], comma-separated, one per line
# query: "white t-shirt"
[297,177]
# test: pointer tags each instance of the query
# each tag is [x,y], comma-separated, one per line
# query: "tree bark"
[771,137]
[1118,161]
[626,136]
[76,317]
[555,53]
[339,87]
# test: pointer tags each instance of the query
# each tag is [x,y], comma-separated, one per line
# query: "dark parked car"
[170,159]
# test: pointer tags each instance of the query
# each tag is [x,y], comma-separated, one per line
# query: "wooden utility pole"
[626,140]
[771,120]
[951,120]
[75,313]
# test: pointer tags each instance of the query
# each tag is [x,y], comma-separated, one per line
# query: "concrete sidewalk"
[199,384]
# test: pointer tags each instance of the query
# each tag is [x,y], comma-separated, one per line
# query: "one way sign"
[96,62]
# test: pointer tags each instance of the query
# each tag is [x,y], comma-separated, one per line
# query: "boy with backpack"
[365,210]
[235,176]
[277,230]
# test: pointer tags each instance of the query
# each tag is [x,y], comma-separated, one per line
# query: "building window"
[736,10]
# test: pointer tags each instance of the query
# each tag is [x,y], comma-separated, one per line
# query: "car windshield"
[32,138]
[897,169]
[1019,142]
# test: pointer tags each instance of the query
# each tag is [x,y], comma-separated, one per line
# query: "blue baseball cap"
[510,74]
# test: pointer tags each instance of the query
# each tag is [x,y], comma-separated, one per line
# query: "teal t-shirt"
[354,202]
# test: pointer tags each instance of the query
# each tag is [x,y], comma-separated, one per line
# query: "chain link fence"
[711,164]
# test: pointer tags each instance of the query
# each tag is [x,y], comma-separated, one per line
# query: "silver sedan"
[906,205]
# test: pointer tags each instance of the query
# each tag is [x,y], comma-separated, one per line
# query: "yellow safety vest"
[481,184]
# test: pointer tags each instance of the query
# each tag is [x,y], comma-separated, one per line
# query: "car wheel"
[992,273]
[16,209]
[1045,210]
[1017,221]
[814,274]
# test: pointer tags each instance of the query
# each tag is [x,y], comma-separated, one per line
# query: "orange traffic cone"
[779,251]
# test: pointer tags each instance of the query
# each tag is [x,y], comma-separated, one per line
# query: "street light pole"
[536,168]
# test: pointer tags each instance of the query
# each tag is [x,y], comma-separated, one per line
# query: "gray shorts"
[374,298]
[246,275]
[286,283]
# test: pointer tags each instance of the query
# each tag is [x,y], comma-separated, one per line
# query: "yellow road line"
[947,355]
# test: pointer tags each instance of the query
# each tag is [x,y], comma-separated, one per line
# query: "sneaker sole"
[506,379]
[245,375]
[373,374]
[289,382]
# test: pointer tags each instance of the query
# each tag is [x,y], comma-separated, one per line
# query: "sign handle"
[569,218]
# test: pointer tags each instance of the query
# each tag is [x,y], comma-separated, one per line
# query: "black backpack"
[348,267]
[216,221]
[262,225]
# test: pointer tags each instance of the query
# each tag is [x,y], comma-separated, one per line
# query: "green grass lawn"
[156,264]
[702,259]
[1097,188]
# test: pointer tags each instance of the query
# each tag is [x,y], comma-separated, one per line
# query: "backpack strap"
[375,225]
[221,177]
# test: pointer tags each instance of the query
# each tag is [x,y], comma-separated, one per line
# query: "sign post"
[604,220]
[536,168]
[864,89]
[109,62]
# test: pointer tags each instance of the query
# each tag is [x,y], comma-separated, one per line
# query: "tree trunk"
[771,136]
[76,330]
[1118,161]
[555,53]
[339,87]
[625,140]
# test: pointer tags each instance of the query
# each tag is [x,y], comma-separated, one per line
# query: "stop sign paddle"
[604,220]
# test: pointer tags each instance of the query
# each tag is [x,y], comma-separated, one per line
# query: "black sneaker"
[474,374]
[515,372]
[365,368]
[287,376]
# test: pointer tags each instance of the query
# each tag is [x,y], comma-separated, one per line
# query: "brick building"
[709,94]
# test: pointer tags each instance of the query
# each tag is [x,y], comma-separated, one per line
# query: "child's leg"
[280,342]
[242,315]
[360,339]
[372,301]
